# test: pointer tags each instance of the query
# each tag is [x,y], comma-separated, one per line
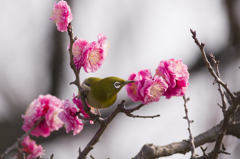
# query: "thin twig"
[128,112]
[210,69]
[75,70]
[139,116]
[191,139]
[216,63]
[15,145]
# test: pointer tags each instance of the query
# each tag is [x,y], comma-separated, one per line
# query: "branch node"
[224,152]
[75,38]
[214,82]
[74,82]
[219,105]
[204,150]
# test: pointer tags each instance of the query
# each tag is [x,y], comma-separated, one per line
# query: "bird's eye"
[88,84]
[117,84]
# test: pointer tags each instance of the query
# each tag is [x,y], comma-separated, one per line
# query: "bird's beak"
[128,81]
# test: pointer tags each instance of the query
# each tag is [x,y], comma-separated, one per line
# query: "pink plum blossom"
[61,15]
[133,89]
[152,90]
[171,79]
[47,106]
[90,56]
[31,149]
[145,88]
[96,54]
[176,75]
[80,49]
[69,118]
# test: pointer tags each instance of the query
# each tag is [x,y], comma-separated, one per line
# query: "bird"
[102,93]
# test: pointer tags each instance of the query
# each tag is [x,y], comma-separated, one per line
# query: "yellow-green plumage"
[102,93]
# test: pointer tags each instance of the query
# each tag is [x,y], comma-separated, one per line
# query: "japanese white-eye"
[102,93]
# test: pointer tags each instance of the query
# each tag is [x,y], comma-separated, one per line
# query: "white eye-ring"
[117,84]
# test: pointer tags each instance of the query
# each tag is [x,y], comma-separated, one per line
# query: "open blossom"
[47,106]
[90,56]
[80,48]
[62,15]
[176,75]
[31,149]
[69,118]
[145,88]
[152,90]
[133,89]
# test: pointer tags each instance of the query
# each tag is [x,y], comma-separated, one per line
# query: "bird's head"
[111,84]
[115,83]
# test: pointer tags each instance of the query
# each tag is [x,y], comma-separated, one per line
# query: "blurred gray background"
[34,60]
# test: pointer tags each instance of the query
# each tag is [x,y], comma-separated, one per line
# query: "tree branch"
[191,139]
[227,113]
[210,69]
[120,108]
[150,151]
[216,63]
[129,111]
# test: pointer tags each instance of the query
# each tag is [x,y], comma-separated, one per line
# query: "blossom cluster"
[56,113]
[90,56]
[171,79]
